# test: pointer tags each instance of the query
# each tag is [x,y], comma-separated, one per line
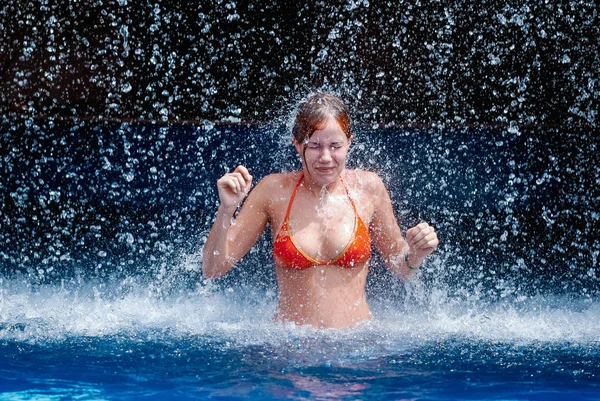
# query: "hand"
[422,240]
[233,187]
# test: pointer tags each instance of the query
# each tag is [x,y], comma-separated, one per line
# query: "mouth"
[325,170]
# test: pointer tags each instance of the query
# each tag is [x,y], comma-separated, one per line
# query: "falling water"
[116,119]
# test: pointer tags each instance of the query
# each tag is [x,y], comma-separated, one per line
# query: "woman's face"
[325,154]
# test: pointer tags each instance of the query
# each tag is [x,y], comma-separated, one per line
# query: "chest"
[323,228]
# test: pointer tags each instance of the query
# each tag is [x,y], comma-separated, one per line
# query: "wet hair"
[313,113]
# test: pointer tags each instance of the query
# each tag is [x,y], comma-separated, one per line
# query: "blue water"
[110,341]
[101,295]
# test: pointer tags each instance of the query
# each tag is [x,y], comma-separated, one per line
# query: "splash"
[243,315]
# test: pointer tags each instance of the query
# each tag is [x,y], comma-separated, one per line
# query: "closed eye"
[317,145]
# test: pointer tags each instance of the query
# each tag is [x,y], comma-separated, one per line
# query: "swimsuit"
[291,256]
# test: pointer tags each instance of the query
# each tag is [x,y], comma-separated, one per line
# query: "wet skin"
[322,223]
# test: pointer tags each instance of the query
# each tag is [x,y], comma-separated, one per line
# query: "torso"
[325,232]
[323,295]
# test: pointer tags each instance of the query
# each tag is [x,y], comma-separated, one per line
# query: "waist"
[319,314]
[323,296]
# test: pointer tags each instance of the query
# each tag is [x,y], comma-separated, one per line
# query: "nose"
[325,154]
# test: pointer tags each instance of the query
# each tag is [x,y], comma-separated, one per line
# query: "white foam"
[42,313]
[529,322]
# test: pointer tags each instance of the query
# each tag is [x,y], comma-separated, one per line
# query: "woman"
[323,220]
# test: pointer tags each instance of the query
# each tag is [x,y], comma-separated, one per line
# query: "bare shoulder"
[277,182]
[367,190]
[365,181]
[275,188]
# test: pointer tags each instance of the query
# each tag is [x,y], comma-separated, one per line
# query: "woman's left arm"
[402,256]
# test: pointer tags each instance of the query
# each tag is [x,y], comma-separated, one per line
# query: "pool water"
[101,294]
[100,341]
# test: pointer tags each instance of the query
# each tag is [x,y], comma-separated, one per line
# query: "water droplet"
[513,128]
[106,165]
[129,176]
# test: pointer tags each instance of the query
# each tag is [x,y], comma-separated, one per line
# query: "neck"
[319,190]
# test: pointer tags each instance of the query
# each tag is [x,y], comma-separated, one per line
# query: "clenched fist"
[234,187]
[422,240]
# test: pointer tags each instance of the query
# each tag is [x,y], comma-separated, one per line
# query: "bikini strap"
[287,213]
[349,197]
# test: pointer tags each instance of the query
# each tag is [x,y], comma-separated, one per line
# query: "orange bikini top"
[291,256]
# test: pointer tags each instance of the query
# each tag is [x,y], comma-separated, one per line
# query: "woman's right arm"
[229,240]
